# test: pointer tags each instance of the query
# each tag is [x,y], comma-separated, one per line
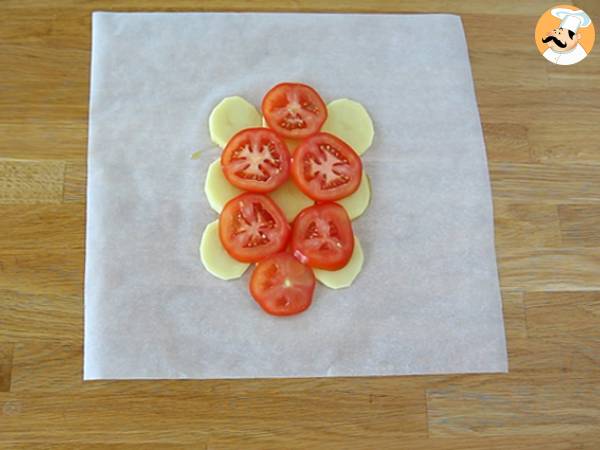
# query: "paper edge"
[488,180]
[99,13]
[86,305]
[502,370]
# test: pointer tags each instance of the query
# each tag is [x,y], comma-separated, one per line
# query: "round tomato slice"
[325,168]
[322,236]
[252,227]
[281,285]
[294,110]
[256,160]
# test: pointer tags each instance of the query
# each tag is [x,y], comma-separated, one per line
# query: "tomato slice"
[322,236]
[281,285]
[252,227]
[256,160]
[325,168]
[294,110]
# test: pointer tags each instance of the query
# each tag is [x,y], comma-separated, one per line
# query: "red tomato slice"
[281,285]
[252,227]
[294,110]
[326,168]
[322,236]
[256,160]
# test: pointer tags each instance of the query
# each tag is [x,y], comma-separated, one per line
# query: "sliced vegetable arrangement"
[287,193]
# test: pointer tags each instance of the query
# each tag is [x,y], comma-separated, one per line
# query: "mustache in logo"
[555,40]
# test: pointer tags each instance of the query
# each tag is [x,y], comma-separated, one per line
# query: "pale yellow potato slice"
[214,257]
[350,121]
[290,143]
[290,199]
[218,190]
[357,203]
[233,114]
[337,279]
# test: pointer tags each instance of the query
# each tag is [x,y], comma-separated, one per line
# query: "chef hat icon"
[571,20]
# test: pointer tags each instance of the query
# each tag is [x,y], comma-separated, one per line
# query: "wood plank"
[547,269]
[506,142]
[186,417]
[100,445]
[534,7]
[227,441]
[6,360]
[44,272]
[557,356]
[545,183]
[563,334]
[44,139]
[31,181]
[515,405]
[486,33]
[75,182]
[563,330]
[563,314]
[55,26]
[510,104]
[514,314]
[48,366]
[33,63]
[525,225]
[28,228]
[522,66]
[29,100]
[580,225]
[553,144]
[275,440]
[585,73]
[35,318]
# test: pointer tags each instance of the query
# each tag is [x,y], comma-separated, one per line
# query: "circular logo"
[565,35]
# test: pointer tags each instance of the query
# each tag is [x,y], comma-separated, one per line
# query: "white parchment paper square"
[427,300]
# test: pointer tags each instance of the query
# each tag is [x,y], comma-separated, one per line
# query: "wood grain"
[515,405]
[23,182]
[6,356]
[541,130]
[580,225]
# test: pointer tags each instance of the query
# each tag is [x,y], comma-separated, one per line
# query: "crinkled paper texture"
[427,300]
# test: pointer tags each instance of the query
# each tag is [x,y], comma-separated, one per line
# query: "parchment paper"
[427,300]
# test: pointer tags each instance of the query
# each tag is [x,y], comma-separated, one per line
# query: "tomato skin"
[325,168]
[322,236]
[253,227]
[281,285]
[296,105]
[264,176]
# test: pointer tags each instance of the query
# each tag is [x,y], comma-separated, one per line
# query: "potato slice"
[290,199]
[337,279]
[350,121]
[214,257]
[357,203]
[218,190]
[233,114]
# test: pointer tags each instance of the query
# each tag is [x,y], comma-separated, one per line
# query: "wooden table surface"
[542,129]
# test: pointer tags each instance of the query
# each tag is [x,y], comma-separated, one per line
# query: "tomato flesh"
[322,236]
[294,110]
[281,285]
[325,168]
[252,227]
[256,160]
